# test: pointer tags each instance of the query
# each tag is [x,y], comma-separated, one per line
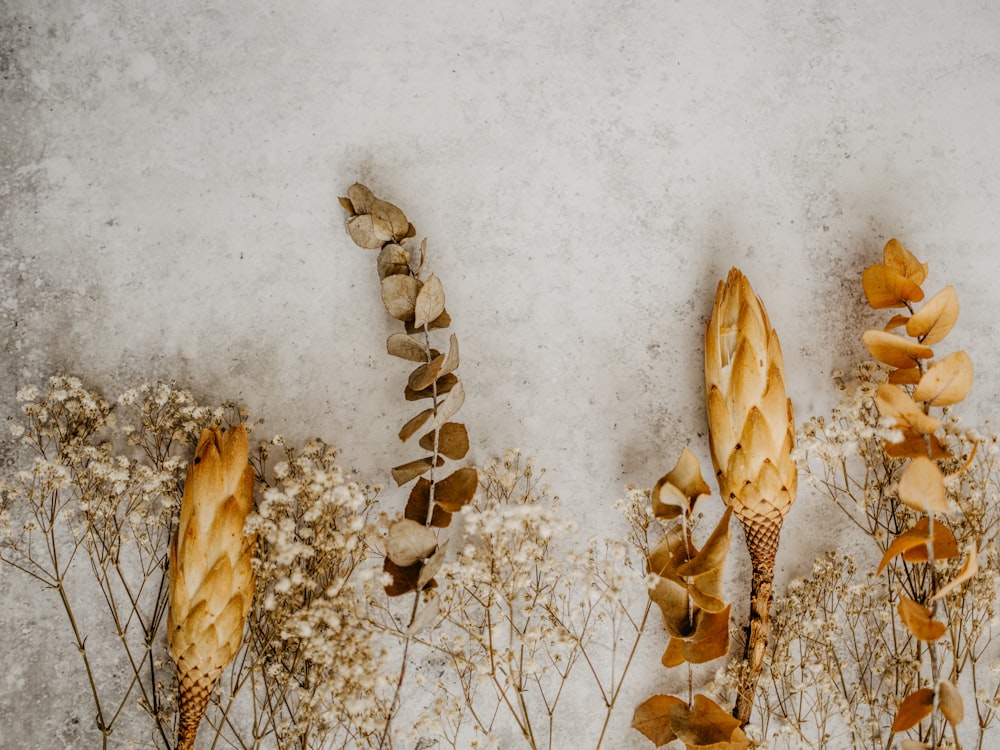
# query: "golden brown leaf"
[674,655]
[406,347]
[444,385]
[450,406]
[917,619]
[418,502]
[668,502]
[947,381]
[885,287]
[686,477]
[915,707]
[705,726]
[968,570]
[456,490]
[893,349]
[453,440]
[652,718]
[424,376]
[921,486]
[430,302]
[441,321]
[903,543]
[399,295]
[712,556]
[412,469]
[903,262]
[896,321]
[914,444]
[908,376]
[409,541]
[950,702]
[895,404]
[936,318]
[945,545]
[710,639]
[413,425]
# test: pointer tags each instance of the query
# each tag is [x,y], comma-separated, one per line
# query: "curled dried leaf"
[412,469]
[432,565]
[896,321]
[404,579]
[686,477]
[367,232]
[441,321]
[430,302]
[710,639]
[399,295]
[895,350]
[936,318]
[918,620]
[409,542]
[393,260]
[706,726]
[916,444]
[902,261]
[915,707]
[668,502]
[885,287]
[947,381]
[950,702]
[921,487]
[411,427]
[652,718]
[969,569]
[712,556]
[450,406]
[912,544]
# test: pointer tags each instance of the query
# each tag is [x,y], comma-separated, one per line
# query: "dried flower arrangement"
[285,621]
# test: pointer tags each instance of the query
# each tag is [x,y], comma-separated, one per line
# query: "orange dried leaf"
[668,501]
[410,428]
[705,726]
[914,444]
[674,655]
[950,702]
[915,707]
[893,349]
[908,376]
[903,543]
[903,262]
[652,718]
[968,570]
[885,287]
[710,639]
[945,545]
[896,321]
[713,555]
[947,381]
[895,404]
[453,440]
[454,491]
[686,477]
[917,619]
[936,318]
[921,486]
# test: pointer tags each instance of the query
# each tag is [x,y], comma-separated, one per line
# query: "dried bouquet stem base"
[761,589]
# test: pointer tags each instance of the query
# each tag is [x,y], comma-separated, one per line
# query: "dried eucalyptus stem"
[751,432]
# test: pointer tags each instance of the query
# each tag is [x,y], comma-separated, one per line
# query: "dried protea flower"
[751,433]
[211,582]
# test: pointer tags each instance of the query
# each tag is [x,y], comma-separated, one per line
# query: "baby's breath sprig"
[413,547]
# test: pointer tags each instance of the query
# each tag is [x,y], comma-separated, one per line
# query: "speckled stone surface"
[585,173]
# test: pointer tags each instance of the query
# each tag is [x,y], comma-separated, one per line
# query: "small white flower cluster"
[310,622]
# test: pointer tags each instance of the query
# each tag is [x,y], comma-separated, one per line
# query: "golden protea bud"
[211,582]
[751,434]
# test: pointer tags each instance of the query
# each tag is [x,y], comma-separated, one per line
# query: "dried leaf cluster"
[686,584]
[751,433]
[916,384]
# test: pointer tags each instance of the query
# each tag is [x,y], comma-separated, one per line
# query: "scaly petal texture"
[751,434]
[211,582]
[750,418]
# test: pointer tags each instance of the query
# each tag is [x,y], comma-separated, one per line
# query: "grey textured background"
[585,173]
